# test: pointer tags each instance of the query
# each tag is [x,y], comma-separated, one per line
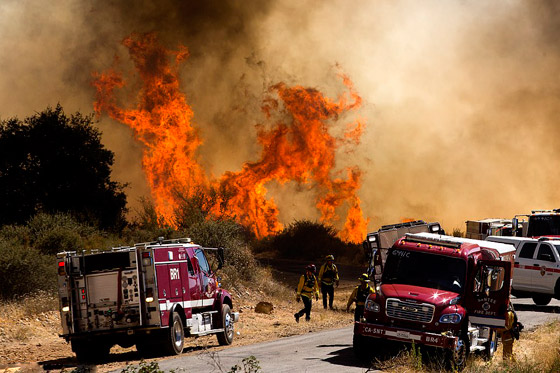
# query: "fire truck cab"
[150,295]
[440,291]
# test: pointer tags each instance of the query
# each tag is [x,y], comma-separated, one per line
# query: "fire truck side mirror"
[514,223]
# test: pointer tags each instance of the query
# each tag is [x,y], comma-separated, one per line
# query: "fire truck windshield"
[544,225]
[425,270]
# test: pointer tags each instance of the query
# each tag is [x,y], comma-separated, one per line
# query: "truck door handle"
[536,264]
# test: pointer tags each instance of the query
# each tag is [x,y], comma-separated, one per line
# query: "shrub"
[24,270]
[51,234]
[312,241]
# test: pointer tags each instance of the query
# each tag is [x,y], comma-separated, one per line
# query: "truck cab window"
[190,267]
[528,250]
[489,278]
[545,253]
[202,262]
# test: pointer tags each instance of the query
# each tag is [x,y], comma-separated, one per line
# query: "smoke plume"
[460,97]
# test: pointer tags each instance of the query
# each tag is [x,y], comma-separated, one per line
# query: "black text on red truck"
[150,295]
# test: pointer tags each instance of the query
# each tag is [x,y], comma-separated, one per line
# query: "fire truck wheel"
[176,336]
[226,337]
[90,351]
[542,299]
[361,347]
[491,345]
[458,357]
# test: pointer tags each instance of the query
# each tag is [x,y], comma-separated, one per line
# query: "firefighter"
[328,276]
[359,295]
[511,331]
[307,288]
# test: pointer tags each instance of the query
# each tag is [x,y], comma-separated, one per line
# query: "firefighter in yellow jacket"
[359,295]
[328,276]
[511,331]
[307,288]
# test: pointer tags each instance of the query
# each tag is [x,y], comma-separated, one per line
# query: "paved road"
[328,351]
[532,315]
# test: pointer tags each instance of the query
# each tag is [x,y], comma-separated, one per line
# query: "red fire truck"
[439,291]
[150,295]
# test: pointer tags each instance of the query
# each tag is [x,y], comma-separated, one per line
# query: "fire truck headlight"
[372,306]
[149,299]
[65,308]
[450,318]
[454,300]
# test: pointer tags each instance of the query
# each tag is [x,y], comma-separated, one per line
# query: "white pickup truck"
[537,267]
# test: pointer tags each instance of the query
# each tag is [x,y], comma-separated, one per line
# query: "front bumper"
[405,335]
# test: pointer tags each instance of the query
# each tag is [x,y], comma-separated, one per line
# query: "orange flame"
[301,150]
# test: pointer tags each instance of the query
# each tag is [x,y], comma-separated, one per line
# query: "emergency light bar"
[410,237]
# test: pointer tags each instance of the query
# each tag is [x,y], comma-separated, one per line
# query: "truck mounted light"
[454,300]
[61,269]
[372,306]
[450,318]
[149,295]
[65,308]
[146,260]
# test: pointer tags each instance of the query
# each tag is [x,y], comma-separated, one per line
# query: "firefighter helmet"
[364,277]
[311,268]
[329,257]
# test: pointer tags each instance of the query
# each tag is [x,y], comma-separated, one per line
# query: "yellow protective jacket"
[308,286]
[328,275]
[359,295]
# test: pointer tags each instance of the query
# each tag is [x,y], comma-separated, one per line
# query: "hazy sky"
[461,98]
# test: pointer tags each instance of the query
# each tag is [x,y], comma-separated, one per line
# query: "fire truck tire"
[90,351]
[542,299]
[458,356]
[226,337]
[361,347]
[175,339]
[491,345]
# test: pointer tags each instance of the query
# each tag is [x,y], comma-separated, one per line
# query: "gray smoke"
[461,98]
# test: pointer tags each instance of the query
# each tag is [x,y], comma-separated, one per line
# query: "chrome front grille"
[408,310]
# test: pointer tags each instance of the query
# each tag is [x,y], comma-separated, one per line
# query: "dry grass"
[23,319]
[537,351]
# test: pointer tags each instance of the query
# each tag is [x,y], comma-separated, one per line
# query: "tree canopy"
[54,163]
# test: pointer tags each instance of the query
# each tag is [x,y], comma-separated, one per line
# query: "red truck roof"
[457,246]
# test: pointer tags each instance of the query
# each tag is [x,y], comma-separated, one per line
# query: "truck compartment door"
[487,302]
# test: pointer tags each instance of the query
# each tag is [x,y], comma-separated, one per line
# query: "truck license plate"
[403,334]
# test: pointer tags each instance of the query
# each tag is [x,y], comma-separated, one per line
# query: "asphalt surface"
[325,352]
[531,315]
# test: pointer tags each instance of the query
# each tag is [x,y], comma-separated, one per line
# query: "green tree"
[53,163]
